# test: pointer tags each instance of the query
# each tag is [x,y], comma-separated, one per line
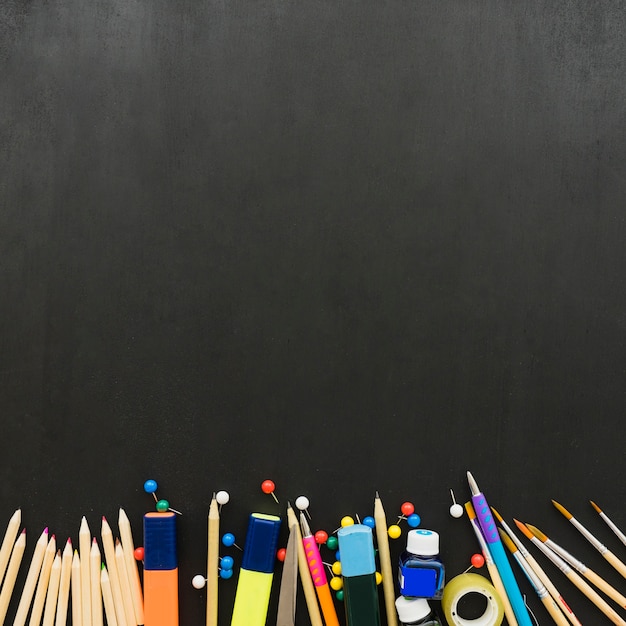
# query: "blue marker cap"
[159,541]
[357,550]
[259,554]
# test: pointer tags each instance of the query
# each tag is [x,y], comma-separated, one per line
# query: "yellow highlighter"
[257,571]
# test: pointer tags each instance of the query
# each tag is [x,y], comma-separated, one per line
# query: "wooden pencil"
[107,597]
[539,571]
[310,596]
[53,591]
[384,558]
[116,591]
[31,579]
[584,587]
[95,561]
[132,569]
[13,528]
[213,559]
[127,596]
[84,547]
[11,574]
[64,585]
[596,543]
[42,584]
[77,609]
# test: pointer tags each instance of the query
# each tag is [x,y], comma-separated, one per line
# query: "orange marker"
[160,574]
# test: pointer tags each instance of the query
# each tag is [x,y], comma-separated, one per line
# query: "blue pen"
[492,537]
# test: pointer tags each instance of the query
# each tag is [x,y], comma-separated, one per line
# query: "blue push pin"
[226,567]
[369,521]
[228,539]
[150,486]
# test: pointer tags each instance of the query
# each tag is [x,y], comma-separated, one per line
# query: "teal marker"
[358,568]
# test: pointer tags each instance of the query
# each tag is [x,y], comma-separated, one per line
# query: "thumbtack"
[302,504]
[268,486]
[456,510]
[228,539]
[150,486]
[222,497]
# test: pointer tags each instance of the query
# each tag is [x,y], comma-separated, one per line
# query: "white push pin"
[456,510]
[198,581]
[302,503]
[222,497]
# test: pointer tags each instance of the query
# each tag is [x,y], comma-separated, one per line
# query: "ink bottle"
[416,612]
[421,573]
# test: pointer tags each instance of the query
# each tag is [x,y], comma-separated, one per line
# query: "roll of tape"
[464,584]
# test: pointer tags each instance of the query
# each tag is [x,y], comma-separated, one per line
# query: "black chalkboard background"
[347,246]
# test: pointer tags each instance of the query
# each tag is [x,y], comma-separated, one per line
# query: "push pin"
[225,570]
[228,539]
[268,486]
[477,561]
[222,497]
[138,553]
[302,504]
[150,486]
[321,537]
[456,510]
[369,521]
[407,512]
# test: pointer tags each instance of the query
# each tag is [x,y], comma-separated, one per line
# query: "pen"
[358,567]
[316,567]
[492,537]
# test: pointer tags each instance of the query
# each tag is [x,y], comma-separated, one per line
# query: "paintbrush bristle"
[535,531]
[595,506]
[507,541]
[562,509]
[523,528]
[498,516]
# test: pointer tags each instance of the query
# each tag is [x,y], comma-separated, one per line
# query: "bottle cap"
[422,542]
[411,610]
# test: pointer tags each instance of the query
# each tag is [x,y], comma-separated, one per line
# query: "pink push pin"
[268,486]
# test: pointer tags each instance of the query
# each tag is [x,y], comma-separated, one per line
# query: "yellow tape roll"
[460,586]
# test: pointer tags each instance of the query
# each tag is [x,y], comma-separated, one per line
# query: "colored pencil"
[598,545]
[77,609]
[11,574]
[95,562]
[42,583]
[585,588]
[580,567]
[491,566]
[305,576]
[132,569]
[53,591]
[213,561]
[107,597]
[64,585]
[384,558]
[13,528]
[31,579]
[84,547]
[127,596]
[618,533]
[546,599]
[539,571]
[108,545]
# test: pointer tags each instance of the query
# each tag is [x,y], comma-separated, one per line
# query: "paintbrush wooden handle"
[615,562]
[603,586]
[595,598]
[555,612]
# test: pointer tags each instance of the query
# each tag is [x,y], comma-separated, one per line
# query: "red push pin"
[477,561]
[281,554]
[321,537]
[268,486]
[138,554]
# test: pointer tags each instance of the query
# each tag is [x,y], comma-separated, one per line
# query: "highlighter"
[160,569]
[358,568]
[257,571]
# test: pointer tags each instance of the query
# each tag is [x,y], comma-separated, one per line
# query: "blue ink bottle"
[416,612]
[421,573]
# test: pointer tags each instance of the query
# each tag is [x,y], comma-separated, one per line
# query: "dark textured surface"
[346,246]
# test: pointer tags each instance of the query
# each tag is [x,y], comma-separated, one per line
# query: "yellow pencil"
[64,585]
[598,545]
[11,574]
[384,557]
[547,600]
[31,579]
[580,567]
[77,609]
[132,569]
[113,579]
[42,584]
[539,571]
[10,535]
[213,559]
[305,575]
[53,591]
[84,547]
[585,588]
[107,597]
[95,561]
